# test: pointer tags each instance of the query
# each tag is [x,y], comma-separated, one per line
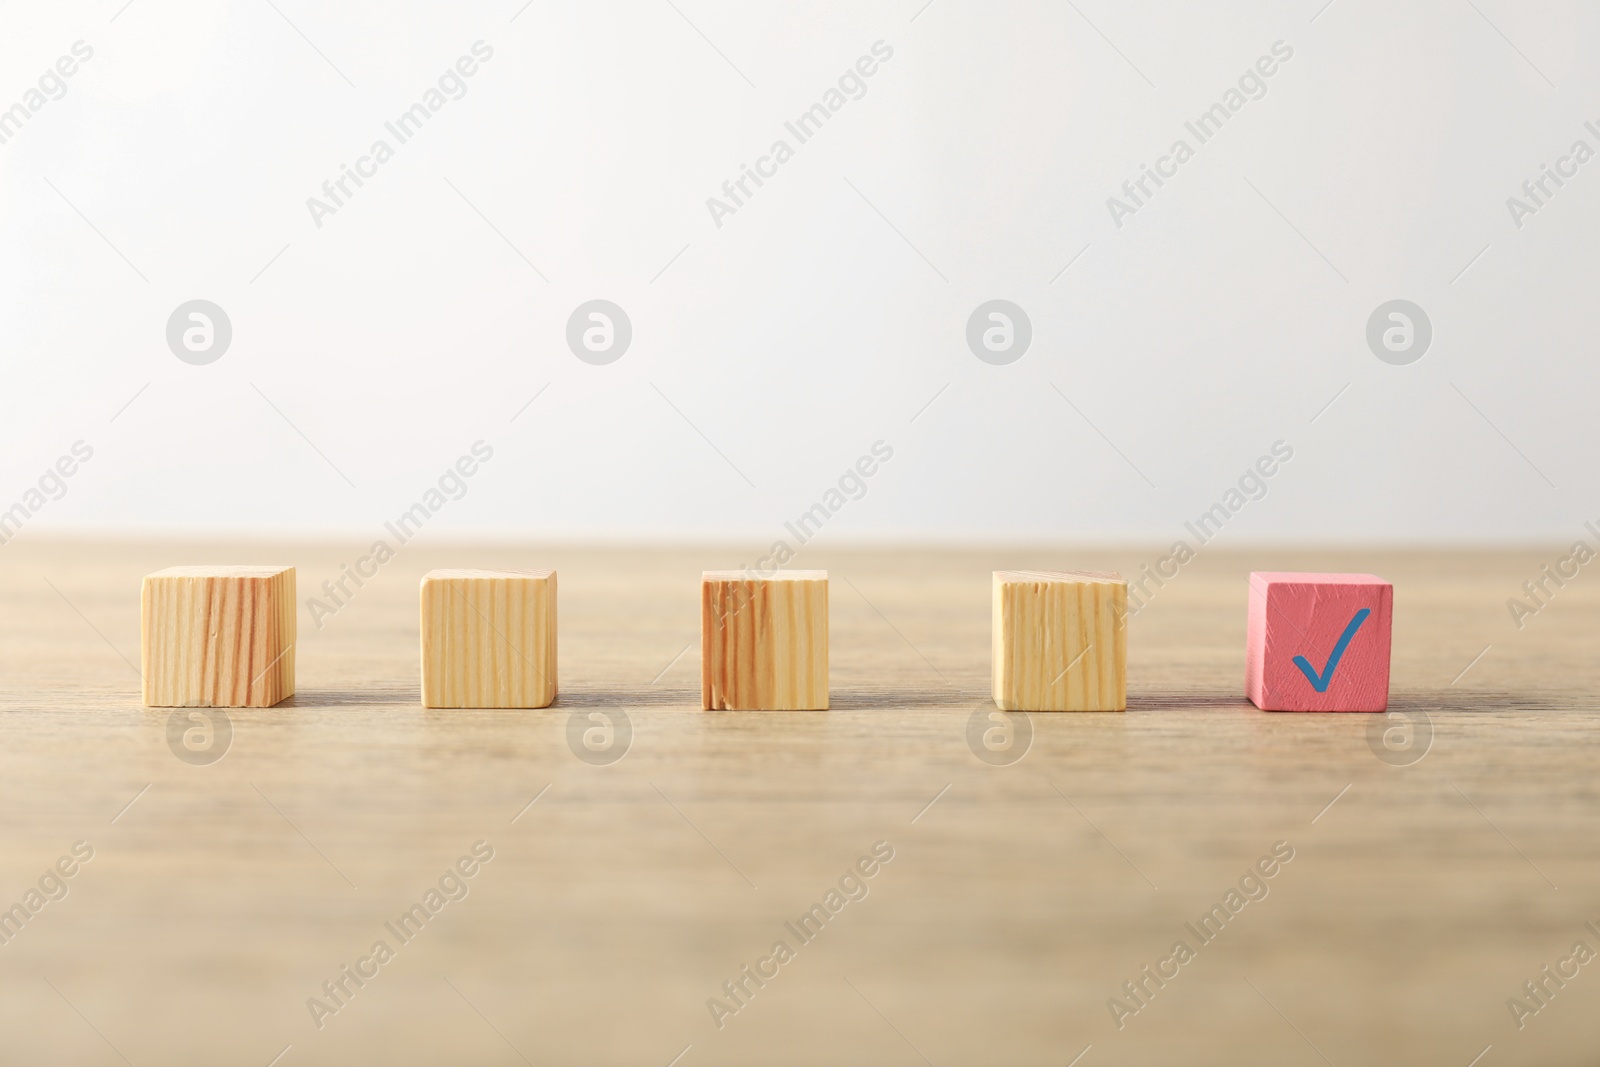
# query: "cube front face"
[764,641]
[488,639]
[1060,641]
[1318,642]
[217,637]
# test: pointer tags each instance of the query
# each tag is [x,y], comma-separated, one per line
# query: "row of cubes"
[225,637]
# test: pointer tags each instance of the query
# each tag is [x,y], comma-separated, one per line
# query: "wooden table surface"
[1019,899]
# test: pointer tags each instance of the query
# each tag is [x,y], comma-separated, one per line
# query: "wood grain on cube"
[488,639]
[764,641]
[1060,641]
[218,637]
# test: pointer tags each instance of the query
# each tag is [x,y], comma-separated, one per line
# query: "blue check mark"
[1320,682]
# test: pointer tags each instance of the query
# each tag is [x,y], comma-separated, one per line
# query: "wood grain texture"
[1060,641]
[218,636]
[1019,900]
[488,639]
[764,641]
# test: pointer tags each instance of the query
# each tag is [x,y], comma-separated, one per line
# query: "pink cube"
[1318,642]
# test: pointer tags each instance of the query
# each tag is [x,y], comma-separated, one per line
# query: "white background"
[829,310]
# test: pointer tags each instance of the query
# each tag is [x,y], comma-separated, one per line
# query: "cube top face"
[1268,578]
[457,574]
[1060,641]
[764,641]
[218,636]
[208,570]
[1078,577]
[488,639]
[1318,642]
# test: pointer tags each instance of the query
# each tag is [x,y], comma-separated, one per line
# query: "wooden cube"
[1318,642]
[764,641]
[217,637]
[1060,641]
[488,639]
